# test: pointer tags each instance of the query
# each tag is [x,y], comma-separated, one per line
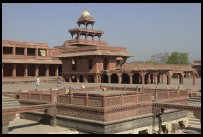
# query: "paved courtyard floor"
[48,85]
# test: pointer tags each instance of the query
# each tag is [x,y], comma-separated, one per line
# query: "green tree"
[178,58]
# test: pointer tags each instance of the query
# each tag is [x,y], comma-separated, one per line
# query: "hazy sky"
[144,29]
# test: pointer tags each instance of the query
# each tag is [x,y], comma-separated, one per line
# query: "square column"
[14,70]
[109,78]
[14,51]
[25,51]
[96,79]
[47,70]
[25,70]
[119,78]
[36,52]
[169,78]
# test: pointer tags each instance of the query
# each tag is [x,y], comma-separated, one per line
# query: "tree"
[160,58]
[178,58]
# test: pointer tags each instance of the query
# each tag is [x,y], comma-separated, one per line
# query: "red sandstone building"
[91,110]
[28,59]
[85,58]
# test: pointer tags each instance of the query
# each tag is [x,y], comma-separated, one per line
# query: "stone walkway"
[48,85]
[23,126]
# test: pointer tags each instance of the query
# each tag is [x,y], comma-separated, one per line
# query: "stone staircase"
[192,121]
[8,102]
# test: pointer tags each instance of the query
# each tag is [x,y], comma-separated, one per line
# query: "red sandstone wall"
[112,63]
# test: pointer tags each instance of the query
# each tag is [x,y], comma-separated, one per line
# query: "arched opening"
[20,70]
[137,79]
[90,79]
[66,78]
[104,78]
[147,78]
[7,70]
[125,78]
[153,78]
[74,78]
[81,78]
[105,64]
[114,78]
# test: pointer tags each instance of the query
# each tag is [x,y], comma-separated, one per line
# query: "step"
[194,120]
[194,123]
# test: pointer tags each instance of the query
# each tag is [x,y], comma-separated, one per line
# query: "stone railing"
[170,94]
[137,66]
[41,95]
[86,41]
[79,97]
[89,48]
[99,100]
[108,88]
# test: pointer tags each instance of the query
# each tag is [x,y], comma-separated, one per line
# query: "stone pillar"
[25,51]
[70,79]
[155,79]
[109,78]
[131,78]
[14,70]
[143,77]
[78,78]
[99,78]
[26,71]
[47,70]
[2,70]
[52,113]
[119,78]
[14,51]
[182,78]
[96,79]
[36,52]
[56,71]
[85,78]
[37,70]
[161,78]
[169,78]
[148,77]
